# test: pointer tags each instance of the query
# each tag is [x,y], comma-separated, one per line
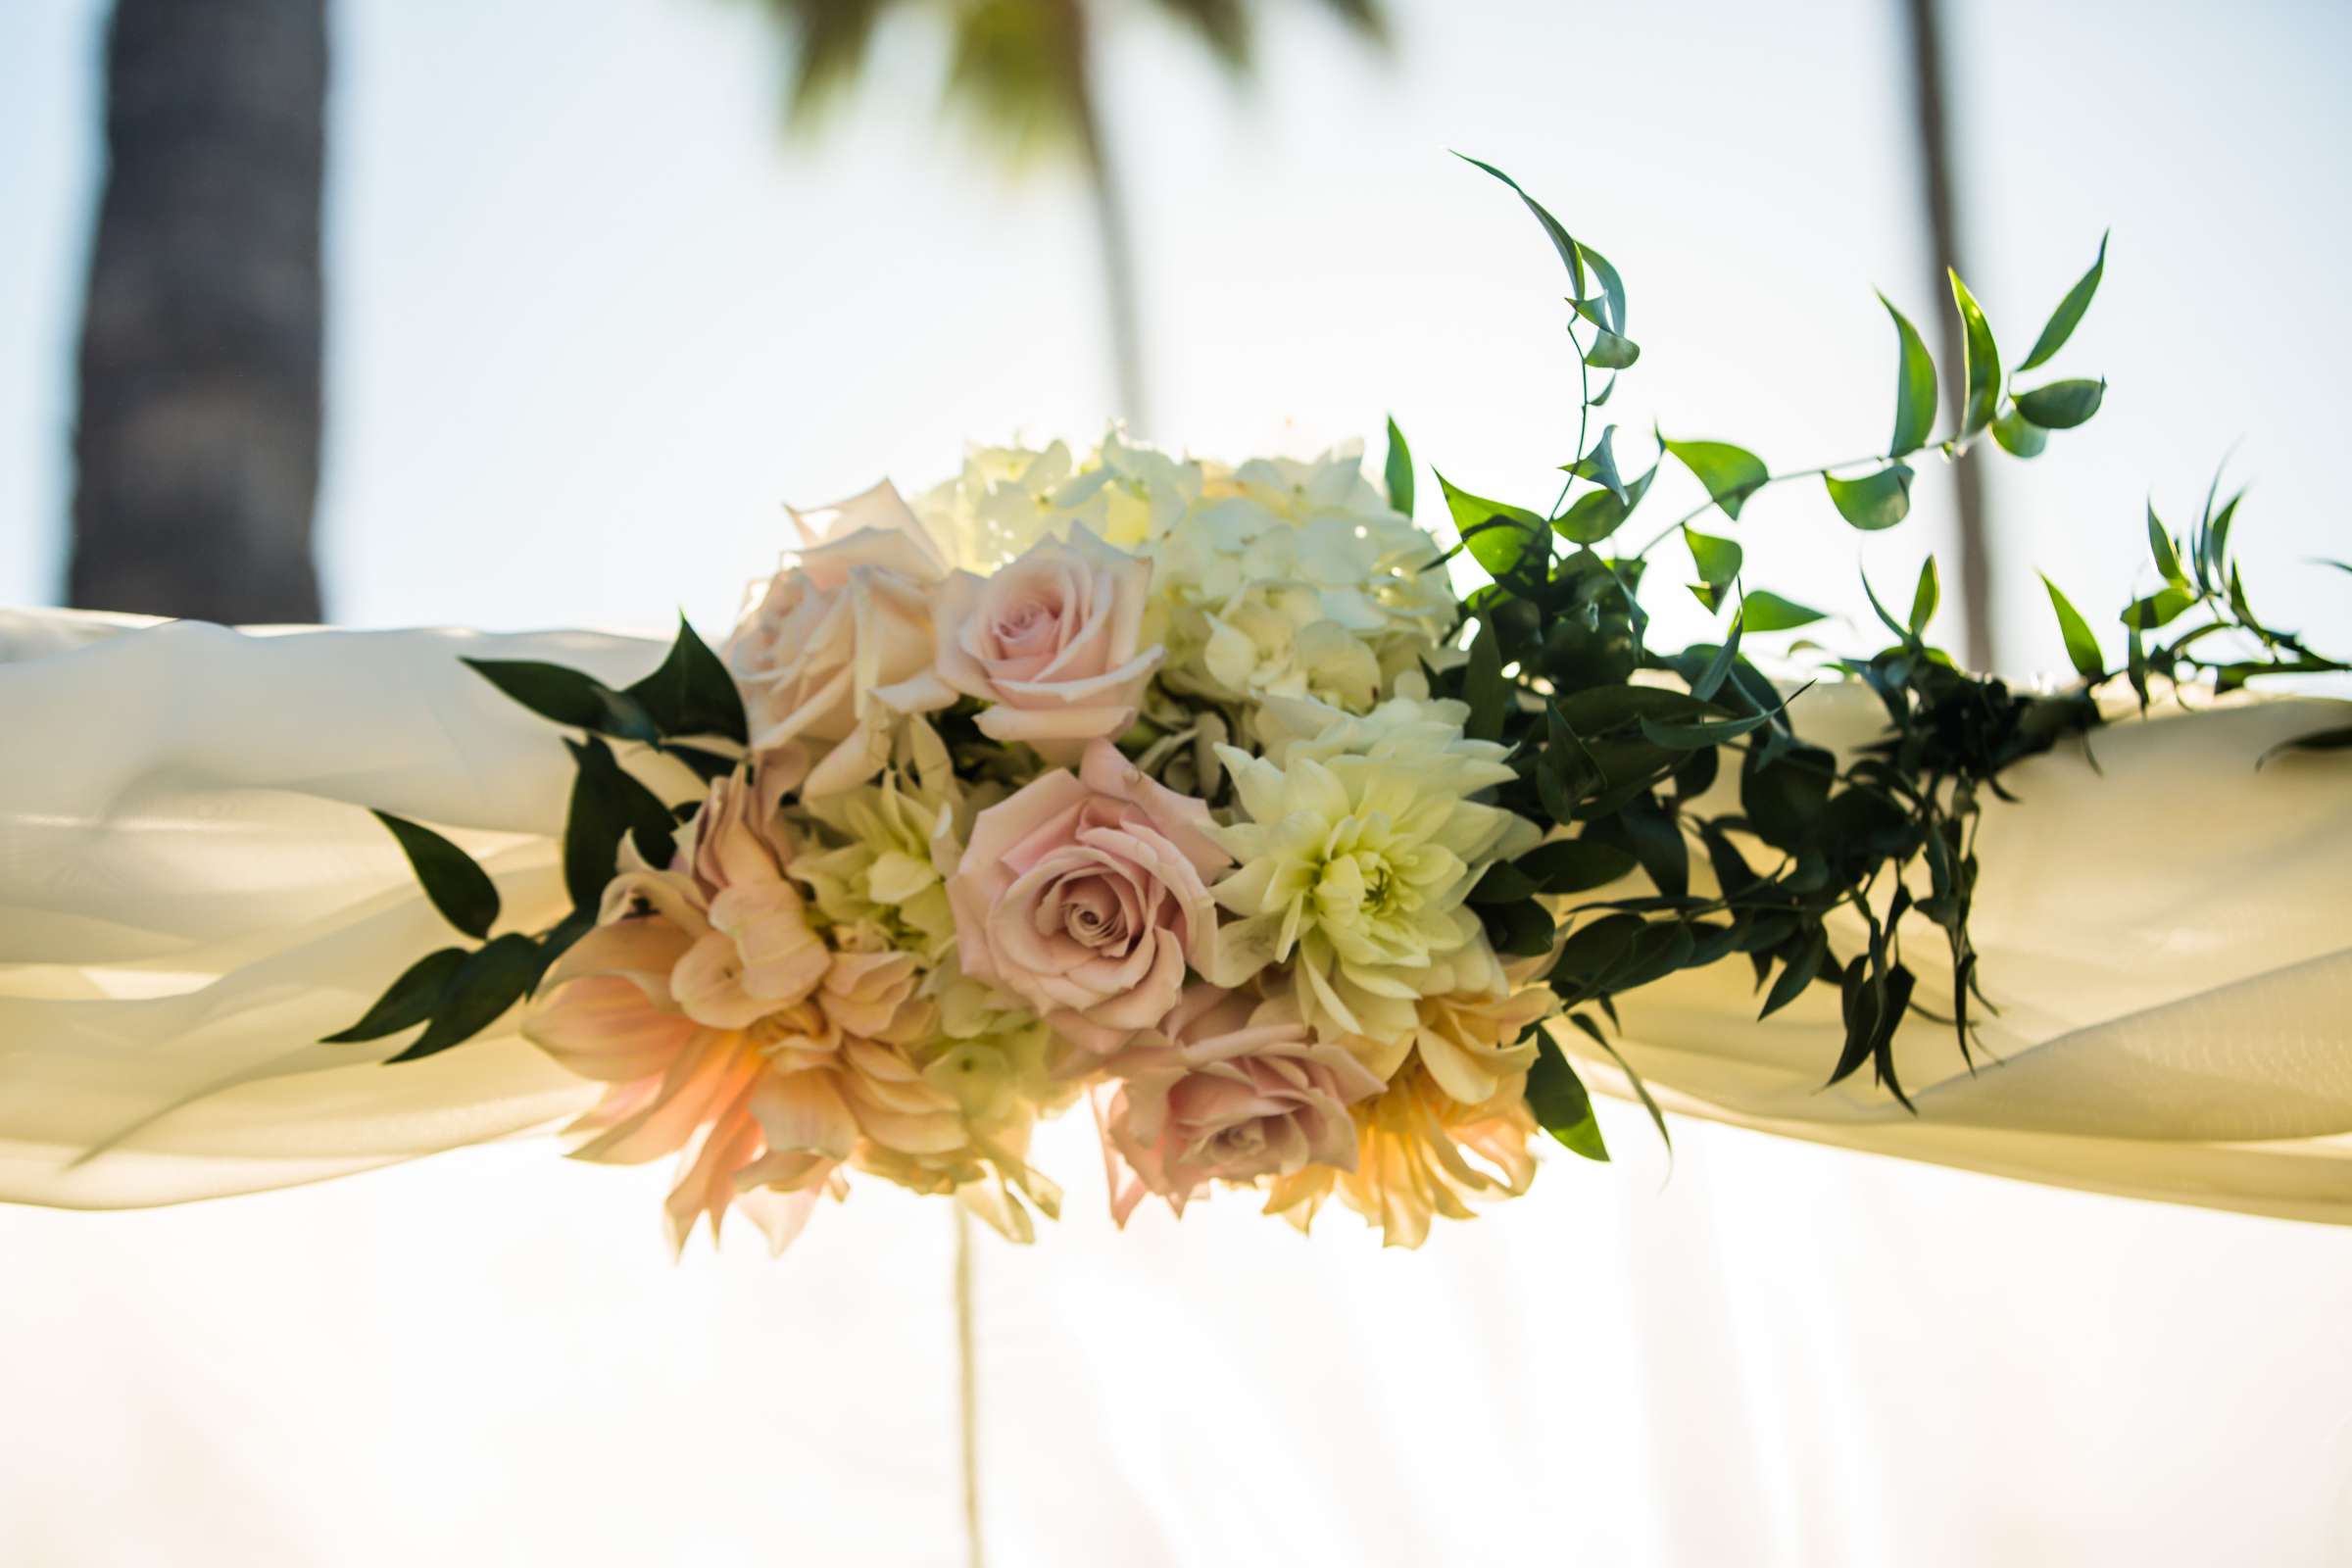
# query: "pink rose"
[1085,897]
[824,657]
[1229,1088]
[1049,642]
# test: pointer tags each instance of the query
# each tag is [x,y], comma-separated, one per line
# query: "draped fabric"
[191,895]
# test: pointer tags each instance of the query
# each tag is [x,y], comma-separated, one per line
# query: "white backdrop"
[1785,1355]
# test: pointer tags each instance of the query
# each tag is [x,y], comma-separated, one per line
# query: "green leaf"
[1719,667]
[1398,471]
[1703,732]
[2158,609]
[1876,501]
[692,693]
[1657,1117]
[1599,466]
[2020,436]
[1519,930]
[1718,560]
[1980,361]
[2062,405]
[2166,554]
[1561,1104]
[1483,687]
[2082,647]
[569,698]
[1611,352]
[1495,533]
[1612,288]
[1570,252]
[1598,515]
[491,980]
[1914,386]
[608,805]
[1503,883]
[1765,611]
[460,889]
[1800,971]
[1730,473]
[2061,324]
[1925,598]
[1574,866]
[408,1002]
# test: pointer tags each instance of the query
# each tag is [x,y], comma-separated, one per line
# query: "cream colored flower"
[1006,499]
[878,883]
[823,654]
[1356,852]
[1421,1153]
[1297,580]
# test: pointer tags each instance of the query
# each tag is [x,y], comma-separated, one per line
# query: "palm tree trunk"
[196,441]
[1115,240]
[1933,126]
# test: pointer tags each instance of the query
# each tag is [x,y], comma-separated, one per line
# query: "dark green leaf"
[608,805]
[2020,436]
[1706,732]
[1765,611]
[1561,1107]
[1925,597]
[1800,969]
[1730,473]
[1504,882]
[2061,324]
[1570,253]
[2082,647]
[569,697]
[1521,930]
[1483,687]
[409,1001]
[1980,362]
[2062,405]
[1785,797]
[1719,667]
[1914,386]
[1876,501]
[492,979]
[1400,471]
[460,889]
[1574,866]
[1598,515]
[692,693]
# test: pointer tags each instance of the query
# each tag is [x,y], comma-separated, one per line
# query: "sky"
[594,317]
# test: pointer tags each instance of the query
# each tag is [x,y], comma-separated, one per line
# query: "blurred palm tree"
[1025,70]
[196,432]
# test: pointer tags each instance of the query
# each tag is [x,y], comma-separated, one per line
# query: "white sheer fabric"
[190,895]
[1781,1355]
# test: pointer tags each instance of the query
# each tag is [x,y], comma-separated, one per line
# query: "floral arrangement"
[1200,794]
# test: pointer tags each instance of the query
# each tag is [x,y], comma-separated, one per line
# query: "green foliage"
[2063,320]
[1618,746]
[1398,471]
[460,889]
[457,992]
[1561,1104]
[1731,474]
[1875,501]
[1914,386]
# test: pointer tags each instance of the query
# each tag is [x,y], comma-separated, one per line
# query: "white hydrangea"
[1009,498]
[1297,580]
[1357,845]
